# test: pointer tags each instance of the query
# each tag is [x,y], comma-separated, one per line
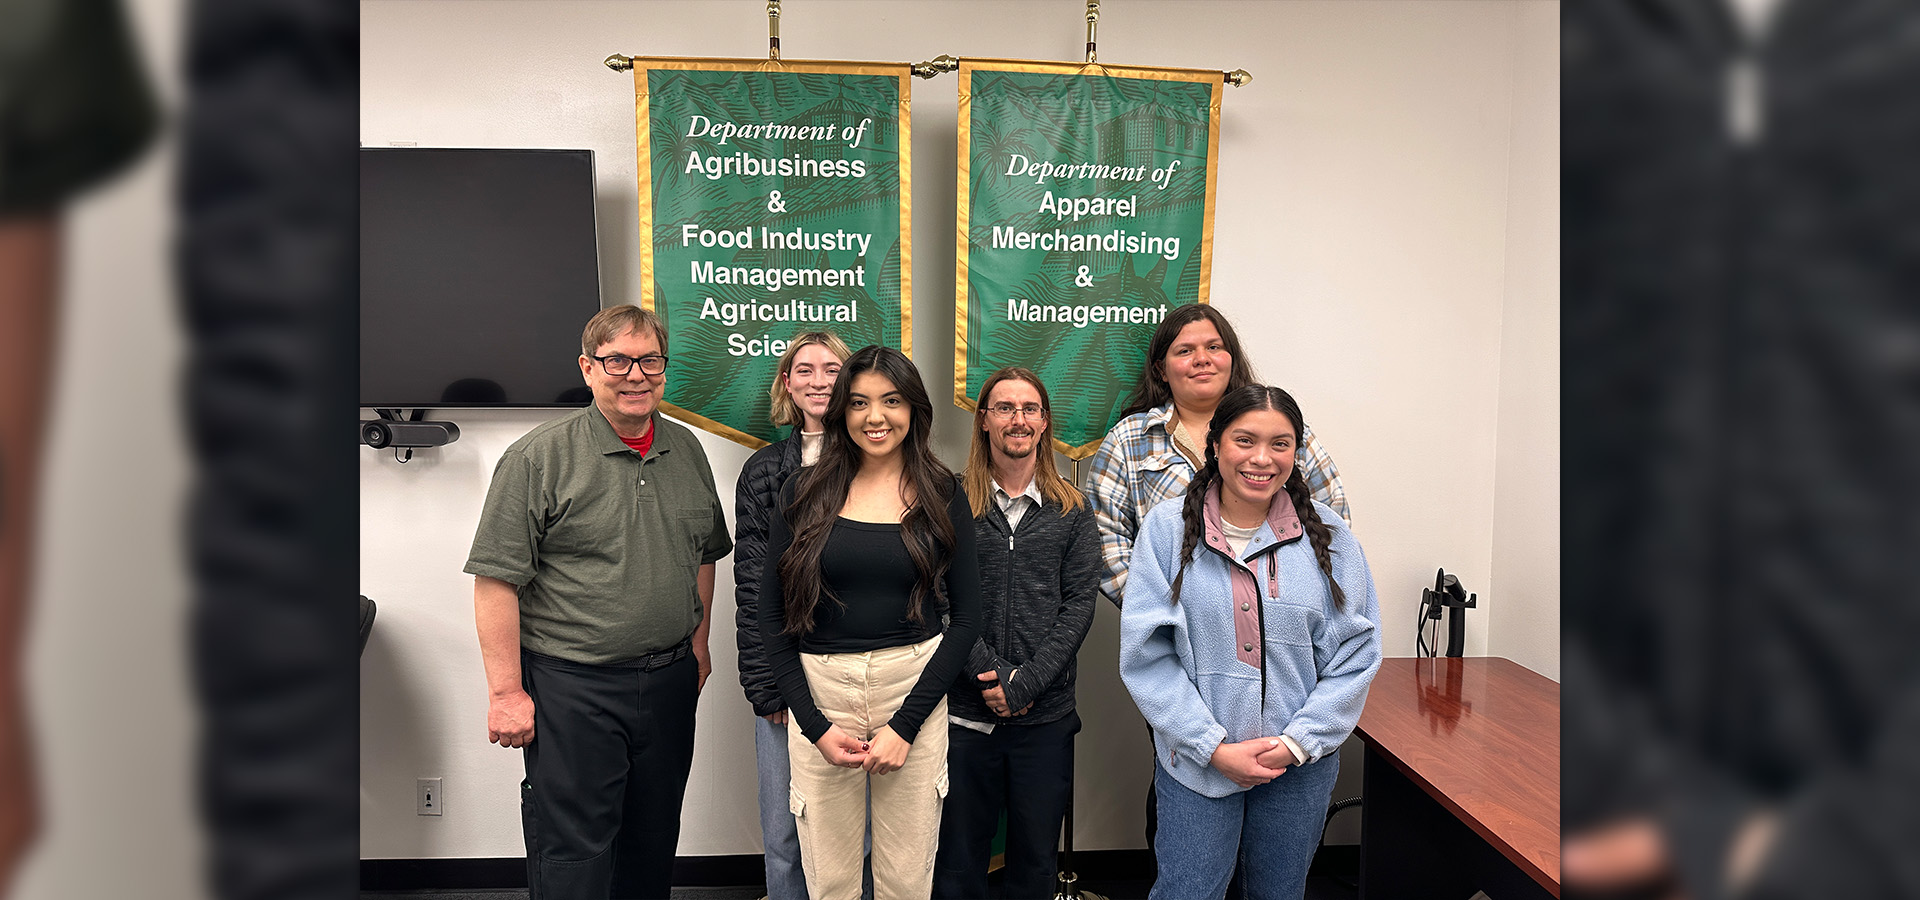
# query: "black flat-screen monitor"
[478,270]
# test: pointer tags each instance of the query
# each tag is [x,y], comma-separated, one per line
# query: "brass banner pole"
[1093,26]
[945,62]
[773,29]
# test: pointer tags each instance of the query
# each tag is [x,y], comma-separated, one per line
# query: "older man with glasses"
[593,593]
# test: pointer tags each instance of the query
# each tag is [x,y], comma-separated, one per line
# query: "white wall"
[1385,180]
[1523,612]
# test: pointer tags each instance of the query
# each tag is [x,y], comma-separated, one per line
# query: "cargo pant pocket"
[530,832]
[803,837]
[551,877]
[572,877]
[940,788]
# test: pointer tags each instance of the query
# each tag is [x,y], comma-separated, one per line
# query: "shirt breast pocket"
[1160,477]
[691,526]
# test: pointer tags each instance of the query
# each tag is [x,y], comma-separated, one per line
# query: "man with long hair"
[1012,710]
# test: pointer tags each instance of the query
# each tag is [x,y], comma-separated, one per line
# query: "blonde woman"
[799,395]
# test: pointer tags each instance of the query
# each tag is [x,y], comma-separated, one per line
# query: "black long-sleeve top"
[866,565]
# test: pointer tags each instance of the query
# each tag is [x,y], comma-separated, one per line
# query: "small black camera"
[383,433]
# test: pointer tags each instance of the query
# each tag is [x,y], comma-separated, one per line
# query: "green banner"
[1085,214]
[776,197]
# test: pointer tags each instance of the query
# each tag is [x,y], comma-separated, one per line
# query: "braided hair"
[1235,404]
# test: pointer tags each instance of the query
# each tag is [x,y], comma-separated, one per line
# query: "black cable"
[1420,627]
[1335,807]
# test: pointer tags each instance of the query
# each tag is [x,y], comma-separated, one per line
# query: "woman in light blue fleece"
[1248,637]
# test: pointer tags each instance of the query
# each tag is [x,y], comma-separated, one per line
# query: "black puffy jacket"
[754,503]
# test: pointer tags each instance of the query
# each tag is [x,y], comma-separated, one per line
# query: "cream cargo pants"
[860,692]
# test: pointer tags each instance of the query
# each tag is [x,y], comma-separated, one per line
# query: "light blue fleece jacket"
[1189,674]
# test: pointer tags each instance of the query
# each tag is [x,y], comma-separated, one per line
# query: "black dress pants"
[606,774]
[1026,770]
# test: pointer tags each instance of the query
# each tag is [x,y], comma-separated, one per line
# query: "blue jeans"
[1273,828]
[785,880]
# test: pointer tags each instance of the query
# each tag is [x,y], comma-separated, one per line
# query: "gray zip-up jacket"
[1037,586]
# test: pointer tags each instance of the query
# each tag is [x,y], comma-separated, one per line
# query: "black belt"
[666,658]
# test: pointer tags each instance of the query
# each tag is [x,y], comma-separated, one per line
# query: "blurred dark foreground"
[1741,291]
[264,279]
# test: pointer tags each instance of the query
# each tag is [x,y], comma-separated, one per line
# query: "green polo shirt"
[603,544]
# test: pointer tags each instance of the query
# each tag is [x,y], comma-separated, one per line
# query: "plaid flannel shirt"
[1137,467]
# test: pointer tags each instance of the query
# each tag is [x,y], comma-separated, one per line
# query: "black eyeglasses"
[615,364]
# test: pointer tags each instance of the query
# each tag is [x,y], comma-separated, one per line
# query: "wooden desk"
[1462,781]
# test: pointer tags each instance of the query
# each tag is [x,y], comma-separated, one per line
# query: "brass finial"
[619,63]
[1239,78]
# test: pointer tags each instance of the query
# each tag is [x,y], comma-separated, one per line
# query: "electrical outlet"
[427,794]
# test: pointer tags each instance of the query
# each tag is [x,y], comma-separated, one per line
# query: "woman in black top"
[871,537]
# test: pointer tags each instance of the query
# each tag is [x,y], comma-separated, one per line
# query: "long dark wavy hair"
[821,490]
[1234,405]
[1152,392]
